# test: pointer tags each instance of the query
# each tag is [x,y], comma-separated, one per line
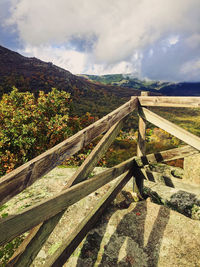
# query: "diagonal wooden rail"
[45,215]
[33,243]
[171,128]
[15,225]
[70,244]
[16,181]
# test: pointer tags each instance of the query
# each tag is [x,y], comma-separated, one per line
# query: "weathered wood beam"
[171,128]
[15,225]
[141,133]
[164,156]
[141,148]
[170,101]
[29,249]
[19,179]
[91,161]
[71,243]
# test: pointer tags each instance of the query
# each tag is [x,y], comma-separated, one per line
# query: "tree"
[30,125]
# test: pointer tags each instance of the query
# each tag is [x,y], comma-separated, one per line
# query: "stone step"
[141,235]
[180,199]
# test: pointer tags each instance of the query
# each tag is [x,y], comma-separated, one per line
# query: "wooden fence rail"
[34,242]
[171,128]
[15,225]
[169,101]
[16,181]
[45,215]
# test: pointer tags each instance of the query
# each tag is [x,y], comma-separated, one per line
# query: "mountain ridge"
[89,93]
[32,74]
[164,88]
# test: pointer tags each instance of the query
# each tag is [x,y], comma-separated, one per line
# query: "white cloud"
[193,41]
[76,62]
[118,30]
[68,59]
[191,70]
[173,40]
[121,67]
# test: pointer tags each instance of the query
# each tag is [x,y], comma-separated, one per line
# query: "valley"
[91,97]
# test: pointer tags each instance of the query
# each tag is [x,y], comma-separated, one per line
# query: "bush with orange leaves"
[30,125]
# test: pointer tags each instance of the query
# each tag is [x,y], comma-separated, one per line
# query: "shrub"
[30,125]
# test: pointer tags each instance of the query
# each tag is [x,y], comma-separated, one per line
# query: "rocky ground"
[142,235]
[128,234]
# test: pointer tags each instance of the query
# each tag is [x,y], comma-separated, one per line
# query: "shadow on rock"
[125,238]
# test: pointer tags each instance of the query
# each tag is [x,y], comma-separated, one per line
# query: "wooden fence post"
[141,133]
[141,147]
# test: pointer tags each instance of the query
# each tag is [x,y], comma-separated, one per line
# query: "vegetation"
[165,88]
[187,118]
[34,75]
[30,125]
[8,250]
[33,121]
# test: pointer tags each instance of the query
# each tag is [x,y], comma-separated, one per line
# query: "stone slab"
[192,169]
[143,234]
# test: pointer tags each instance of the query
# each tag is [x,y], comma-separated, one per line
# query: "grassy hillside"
[34,75]
[165,88]
[125,81]
[99,95]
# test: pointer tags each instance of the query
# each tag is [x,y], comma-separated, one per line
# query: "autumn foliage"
[30,125]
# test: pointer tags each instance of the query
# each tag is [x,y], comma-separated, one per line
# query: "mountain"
[95,94]
[32,74]
[164,88]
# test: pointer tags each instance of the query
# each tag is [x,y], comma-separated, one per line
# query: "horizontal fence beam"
[171,128]
[169,101]
[15,225]
[71,243]
[19,179]
[24,257]
[30,217]
[164,156]
[93,158]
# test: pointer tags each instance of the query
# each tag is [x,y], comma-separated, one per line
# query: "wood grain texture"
[171,128]
[32,244]
[169,101]
[14,225]
[23,246]
[39,235]
[167,155]
[93,158]
[141,133]
[19,179]
[71,243]
[141,149]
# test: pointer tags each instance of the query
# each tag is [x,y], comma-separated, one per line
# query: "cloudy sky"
[152,39]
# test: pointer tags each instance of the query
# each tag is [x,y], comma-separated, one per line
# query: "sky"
[151,39]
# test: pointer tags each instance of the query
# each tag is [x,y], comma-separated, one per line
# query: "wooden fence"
[42,218]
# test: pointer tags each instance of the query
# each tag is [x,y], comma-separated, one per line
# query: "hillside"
[97,95]
[164,88]
[32,74]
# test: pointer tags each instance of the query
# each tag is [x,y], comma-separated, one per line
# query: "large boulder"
[143,234]
[192,169]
